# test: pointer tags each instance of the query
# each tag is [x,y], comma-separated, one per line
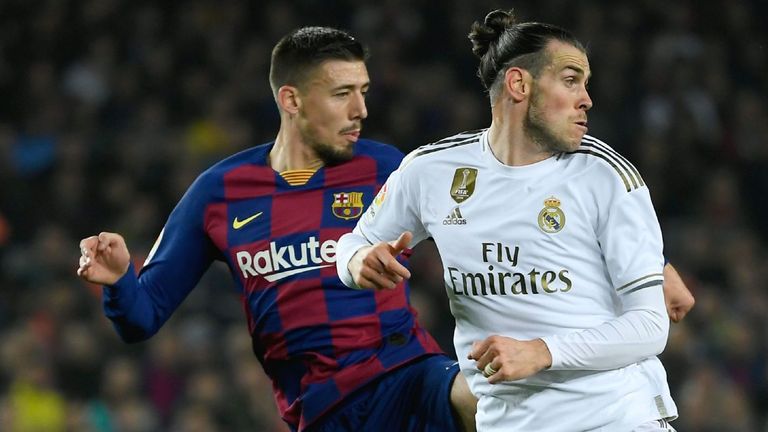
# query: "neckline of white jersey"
[535,169]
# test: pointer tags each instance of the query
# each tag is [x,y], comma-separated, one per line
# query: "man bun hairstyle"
[501,42]
[486,34]
[300,51]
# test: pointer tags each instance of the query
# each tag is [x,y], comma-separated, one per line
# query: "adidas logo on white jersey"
[454,218]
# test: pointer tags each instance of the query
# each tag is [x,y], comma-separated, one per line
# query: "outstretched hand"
[104,259]
[376,266]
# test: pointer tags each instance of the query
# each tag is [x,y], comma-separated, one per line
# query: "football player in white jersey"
[551,248]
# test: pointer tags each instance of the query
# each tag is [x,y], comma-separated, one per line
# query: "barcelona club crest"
[347,205]
[463,185]
[551,217]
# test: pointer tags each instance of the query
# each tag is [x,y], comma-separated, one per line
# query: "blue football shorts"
[412,398]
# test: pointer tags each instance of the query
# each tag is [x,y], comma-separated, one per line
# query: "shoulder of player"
[445,147]
[606,164]
[369,146]
[378,150]
[252,158]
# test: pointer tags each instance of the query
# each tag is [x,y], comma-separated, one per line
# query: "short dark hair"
[300,51]
[500,43]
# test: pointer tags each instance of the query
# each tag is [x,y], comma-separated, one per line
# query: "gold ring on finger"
[489,370]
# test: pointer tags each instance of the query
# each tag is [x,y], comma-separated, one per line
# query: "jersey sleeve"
[139,305]
[395,209]
[631,243]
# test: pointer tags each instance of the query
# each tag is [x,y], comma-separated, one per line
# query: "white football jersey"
[568,249]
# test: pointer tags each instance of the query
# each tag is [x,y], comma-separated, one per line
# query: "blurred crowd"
[110,108]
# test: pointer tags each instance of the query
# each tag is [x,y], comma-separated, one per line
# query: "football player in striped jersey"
[339,359]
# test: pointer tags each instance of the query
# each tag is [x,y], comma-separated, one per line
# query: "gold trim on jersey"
[626,171]
[297,177]
[463,138]
[641,283]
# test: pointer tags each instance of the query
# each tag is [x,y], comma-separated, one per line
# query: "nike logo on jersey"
[237,224]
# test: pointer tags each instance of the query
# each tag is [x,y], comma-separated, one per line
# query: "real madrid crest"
[347,205]
[463,184]
[551,217]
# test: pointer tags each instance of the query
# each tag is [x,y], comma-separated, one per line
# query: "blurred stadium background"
[110,108]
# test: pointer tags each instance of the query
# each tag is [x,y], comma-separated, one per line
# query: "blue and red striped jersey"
[317,340]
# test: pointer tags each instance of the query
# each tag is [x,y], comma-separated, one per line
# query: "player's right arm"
[367,257]
[139,305]
[377,267]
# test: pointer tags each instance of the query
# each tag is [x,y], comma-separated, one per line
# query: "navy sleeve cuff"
[119,298]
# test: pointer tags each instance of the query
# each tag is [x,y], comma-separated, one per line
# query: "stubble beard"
[328,153]
[540,133]
[331,155]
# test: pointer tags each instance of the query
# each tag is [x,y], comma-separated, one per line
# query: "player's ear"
[517,82]
[288,99]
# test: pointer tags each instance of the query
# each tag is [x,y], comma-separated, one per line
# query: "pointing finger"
[401,243]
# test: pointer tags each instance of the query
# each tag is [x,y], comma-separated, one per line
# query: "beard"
[536,128]
[327,152]
[331,155]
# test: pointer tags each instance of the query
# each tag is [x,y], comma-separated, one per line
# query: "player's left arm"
[639,332]
[631,245]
